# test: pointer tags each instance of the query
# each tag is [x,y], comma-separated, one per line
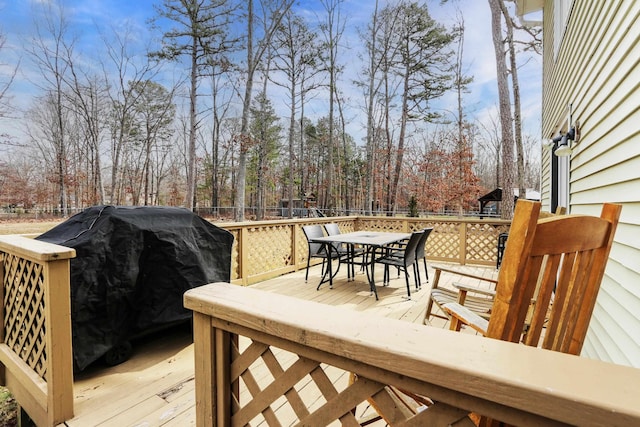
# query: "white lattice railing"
[258,353]
[35,341]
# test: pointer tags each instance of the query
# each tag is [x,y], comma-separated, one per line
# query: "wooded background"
[189,120]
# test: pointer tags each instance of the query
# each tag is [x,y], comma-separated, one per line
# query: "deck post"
[205,372]
[58,341]
[243,253]
[35,344]
[463,243]
[222,356]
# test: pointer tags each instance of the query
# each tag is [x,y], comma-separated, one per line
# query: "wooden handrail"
[464,371]
[35,344]
[43,384]
[266,249]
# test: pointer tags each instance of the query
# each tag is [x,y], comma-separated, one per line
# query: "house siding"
[596,79]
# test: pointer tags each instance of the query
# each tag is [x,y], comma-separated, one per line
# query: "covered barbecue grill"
[132,266]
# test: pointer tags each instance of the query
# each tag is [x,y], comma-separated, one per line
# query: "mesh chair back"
[332,229]
[420,251]
[412,246]
[310,232]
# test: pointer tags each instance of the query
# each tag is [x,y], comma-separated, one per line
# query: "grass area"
[8,409]
[27,227]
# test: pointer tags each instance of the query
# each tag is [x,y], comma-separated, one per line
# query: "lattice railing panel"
[382,224]
[276,360]
[269,245]
[268,248]
[347,226]
[277,387]
[444,241]
[235,254]
[482,240]
[419,225]
[24,309]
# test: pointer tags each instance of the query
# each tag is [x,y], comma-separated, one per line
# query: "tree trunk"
[292,128]
[400,153]
[244,124]
[191,167]
[517,115]
[371,95]
[506,121]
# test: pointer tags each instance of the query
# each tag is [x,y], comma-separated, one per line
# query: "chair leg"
[306,274]
[416,272]
[352,260]
[427,314]
[426,272]
[406,279]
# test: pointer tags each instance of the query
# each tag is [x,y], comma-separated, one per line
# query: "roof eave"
[524,7]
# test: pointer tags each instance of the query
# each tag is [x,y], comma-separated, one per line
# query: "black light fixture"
[564,146]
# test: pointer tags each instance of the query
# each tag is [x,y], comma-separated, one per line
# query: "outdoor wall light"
[547,144]
[563,140]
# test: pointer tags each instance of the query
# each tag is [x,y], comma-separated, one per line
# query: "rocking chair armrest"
[460,315]
[467,288]
[462,273]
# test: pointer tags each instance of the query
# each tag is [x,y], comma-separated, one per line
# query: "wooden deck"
[156,386]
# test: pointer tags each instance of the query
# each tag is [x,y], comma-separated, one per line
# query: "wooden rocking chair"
[558,264]
[477,299]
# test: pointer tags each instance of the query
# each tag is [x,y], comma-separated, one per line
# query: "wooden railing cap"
[544,382]
[34,249]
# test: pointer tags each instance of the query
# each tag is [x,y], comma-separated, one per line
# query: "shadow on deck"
[156,386]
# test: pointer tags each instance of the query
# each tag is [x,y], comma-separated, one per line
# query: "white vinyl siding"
[561,11]
[596,71]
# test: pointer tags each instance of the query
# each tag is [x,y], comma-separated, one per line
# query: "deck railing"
[300,341]
[266,249]
[35,342]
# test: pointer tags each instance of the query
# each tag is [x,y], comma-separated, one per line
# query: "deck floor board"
[156,386]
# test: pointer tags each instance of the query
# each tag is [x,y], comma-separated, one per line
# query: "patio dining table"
[370,240]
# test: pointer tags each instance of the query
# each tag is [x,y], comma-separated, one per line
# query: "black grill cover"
[132,266]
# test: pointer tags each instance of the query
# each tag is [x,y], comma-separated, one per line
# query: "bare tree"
[47,50]
[297,58]
[5,83]
[515,88]
[388,51]
[466,181]
[425,72]
[272,13]
[201,33]
[332,29]
[506,118]
[369,38]
[125,71]
[488,152]
[154,112]
[87,95]
[219,70]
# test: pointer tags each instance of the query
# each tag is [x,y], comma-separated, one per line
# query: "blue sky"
[16,22]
